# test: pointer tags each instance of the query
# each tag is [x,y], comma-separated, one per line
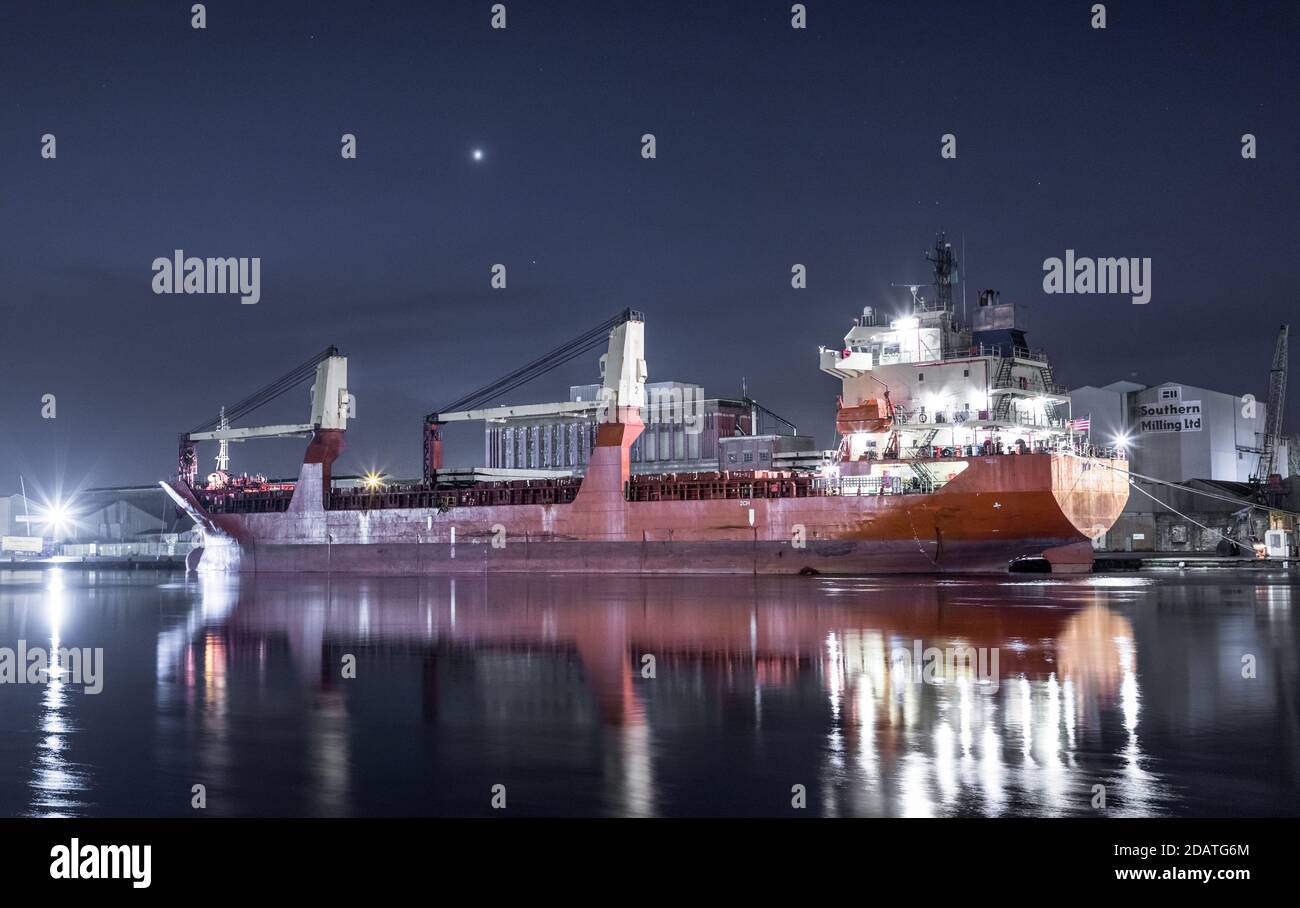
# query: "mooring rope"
[1134,484]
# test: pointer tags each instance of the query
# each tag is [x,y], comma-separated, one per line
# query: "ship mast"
[223,448]
[944,261]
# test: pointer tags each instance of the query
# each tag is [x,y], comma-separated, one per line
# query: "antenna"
[963,283]
[944,263]
[945,270]
[918,302]
[223,449]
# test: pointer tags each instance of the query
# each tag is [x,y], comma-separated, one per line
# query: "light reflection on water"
[56,782]
[760,684]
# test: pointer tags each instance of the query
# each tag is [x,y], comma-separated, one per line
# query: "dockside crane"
[330,406]
[1267,480]
[623,373]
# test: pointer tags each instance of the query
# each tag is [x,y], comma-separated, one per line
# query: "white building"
[1178,432]
[1185,434]
[110,515]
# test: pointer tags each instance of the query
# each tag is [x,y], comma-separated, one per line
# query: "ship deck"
[735,485]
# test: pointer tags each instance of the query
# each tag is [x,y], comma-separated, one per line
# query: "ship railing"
[1039,356]
[1049,423]
[739,485]
[1063,445]
[955,419]
[1102,452]
[1017,383]
[974,351]
[244,502]
[444,497]
[869,485]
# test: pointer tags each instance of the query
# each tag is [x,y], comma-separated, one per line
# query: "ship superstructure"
[920,385]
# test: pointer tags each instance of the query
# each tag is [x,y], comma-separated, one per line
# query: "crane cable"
[1236,543]
[269,392]
[583,343]
[1228,498]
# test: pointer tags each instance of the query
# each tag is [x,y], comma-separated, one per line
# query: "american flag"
[1080,425]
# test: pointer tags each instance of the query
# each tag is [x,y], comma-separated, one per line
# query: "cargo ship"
[956,454]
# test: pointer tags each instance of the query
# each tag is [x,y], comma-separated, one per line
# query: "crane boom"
[566,408]
[330,406]
[584,343]
[1276,407]
[297,430]
[270,391]
[623,372]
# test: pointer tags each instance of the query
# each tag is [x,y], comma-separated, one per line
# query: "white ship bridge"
[922,384]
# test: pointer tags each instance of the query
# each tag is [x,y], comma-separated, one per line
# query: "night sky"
[775,146]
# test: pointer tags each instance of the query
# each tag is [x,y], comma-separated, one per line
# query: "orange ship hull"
[995,510]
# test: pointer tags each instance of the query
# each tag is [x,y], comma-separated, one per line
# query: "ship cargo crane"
[623,372]
[1267,480]
[330,403]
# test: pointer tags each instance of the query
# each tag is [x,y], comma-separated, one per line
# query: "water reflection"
[56,782]
[566,653]
[756,685]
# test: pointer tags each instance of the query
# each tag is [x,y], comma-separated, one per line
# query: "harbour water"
[1178,694]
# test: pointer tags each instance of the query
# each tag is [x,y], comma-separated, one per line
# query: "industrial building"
[117,521]
[1208,440]
[1178,432]
[112,522]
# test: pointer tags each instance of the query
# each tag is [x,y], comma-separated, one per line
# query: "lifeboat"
[870,415]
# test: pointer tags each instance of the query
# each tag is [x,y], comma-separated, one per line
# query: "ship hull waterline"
[995,510]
